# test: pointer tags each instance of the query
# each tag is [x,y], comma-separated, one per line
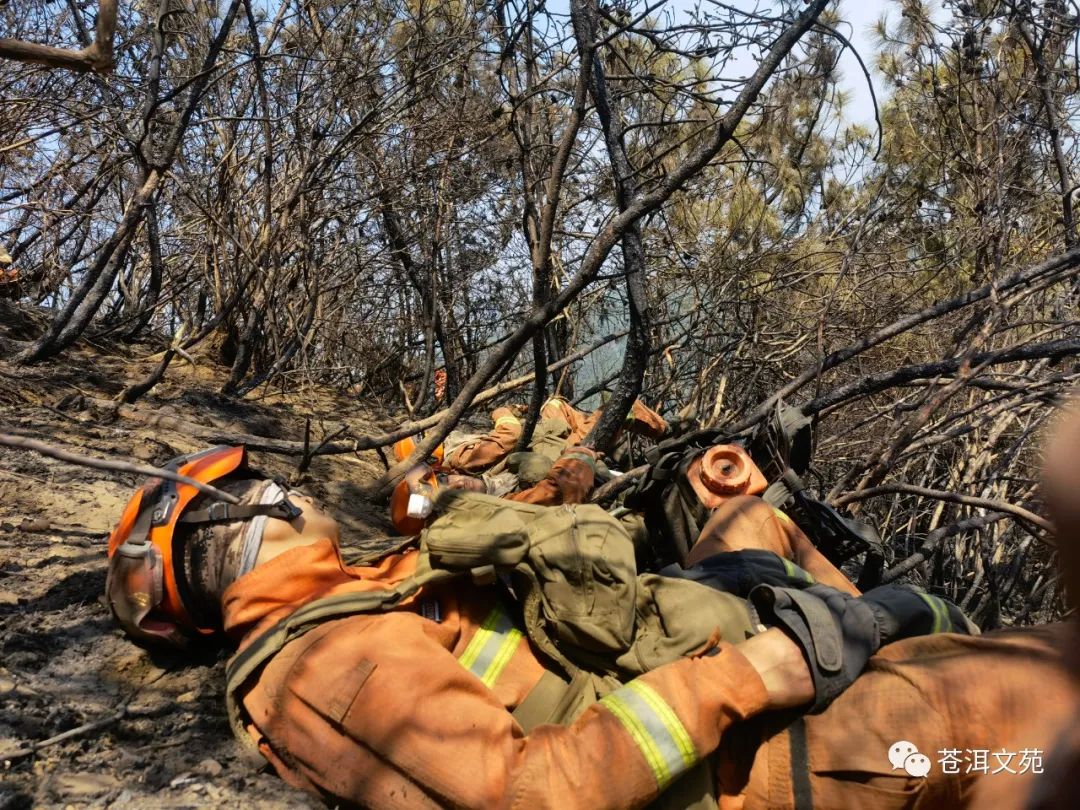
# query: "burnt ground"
[157,734]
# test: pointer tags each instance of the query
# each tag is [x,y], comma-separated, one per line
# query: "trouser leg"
[747,522]
[739,572]
[487,451]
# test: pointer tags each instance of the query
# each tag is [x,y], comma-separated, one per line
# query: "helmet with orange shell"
[403,448]
[144,592]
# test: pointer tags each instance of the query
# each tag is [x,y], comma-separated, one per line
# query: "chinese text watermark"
[905,755]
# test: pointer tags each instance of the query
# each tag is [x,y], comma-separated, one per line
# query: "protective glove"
[838,633]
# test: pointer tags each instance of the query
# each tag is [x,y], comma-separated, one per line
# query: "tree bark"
[88,297]
[586,16]
[97,57]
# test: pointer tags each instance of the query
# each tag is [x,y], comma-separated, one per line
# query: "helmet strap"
[219,511]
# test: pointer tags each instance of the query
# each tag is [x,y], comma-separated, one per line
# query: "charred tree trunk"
[70,323]
[586,19]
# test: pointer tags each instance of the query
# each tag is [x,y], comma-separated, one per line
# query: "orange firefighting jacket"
[412,708]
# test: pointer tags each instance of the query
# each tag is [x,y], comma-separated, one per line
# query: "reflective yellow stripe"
[625,715]
[795,572]
[655,729]
[942,622]
[559,403]
[513,420]
[491,649]
[781,515]
[671,722]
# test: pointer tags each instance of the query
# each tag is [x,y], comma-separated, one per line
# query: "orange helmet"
[403,448]
[142,588]
[411,501]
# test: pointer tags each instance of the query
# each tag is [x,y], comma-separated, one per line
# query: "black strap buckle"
[218,510]
[288,510]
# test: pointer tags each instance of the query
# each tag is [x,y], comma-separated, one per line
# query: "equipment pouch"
[573,565]
[474,530]
[583,561]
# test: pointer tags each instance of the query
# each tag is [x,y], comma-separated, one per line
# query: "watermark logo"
[988,761]
[905,755]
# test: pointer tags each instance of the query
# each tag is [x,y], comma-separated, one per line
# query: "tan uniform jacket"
[413,708]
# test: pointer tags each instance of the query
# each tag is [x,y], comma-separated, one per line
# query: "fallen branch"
[33,445]
[617,485]
[132,393]
[942,495]
[933,540]
[86,728]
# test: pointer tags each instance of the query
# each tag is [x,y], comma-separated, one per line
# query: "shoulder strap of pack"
[783,441]
[839,538]
[250,660]
[673,514]
[220,511]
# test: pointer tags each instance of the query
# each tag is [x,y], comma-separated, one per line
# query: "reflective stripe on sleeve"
[942,621]
[655,728]
[491,649]
[795,572]
[507,420]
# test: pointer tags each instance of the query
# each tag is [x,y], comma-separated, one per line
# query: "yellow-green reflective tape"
[795,572]
[942,622]
[783,516]
[491,649]
[655,728]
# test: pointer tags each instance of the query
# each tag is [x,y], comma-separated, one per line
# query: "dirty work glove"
[836,632]
[530,468]
[913,613]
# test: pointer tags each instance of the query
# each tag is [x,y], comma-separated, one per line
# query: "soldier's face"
[464,482]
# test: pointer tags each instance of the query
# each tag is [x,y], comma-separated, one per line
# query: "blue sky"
[861,16]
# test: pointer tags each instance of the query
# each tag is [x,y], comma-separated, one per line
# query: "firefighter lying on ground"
[560,426]
[516,658]
[486,463]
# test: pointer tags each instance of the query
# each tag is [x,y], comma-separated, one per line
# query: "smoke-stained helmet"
[143,590]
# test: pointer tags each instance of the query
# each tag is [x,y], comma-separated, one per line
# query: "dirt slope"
[63,664]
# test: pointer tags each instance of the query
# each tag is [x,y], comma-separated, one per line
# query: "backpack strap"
[839,538]
[246,663]
[673,514]
[222,511]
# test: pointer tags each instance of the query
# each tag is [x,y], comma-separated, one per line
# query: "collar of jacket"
[277,588]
